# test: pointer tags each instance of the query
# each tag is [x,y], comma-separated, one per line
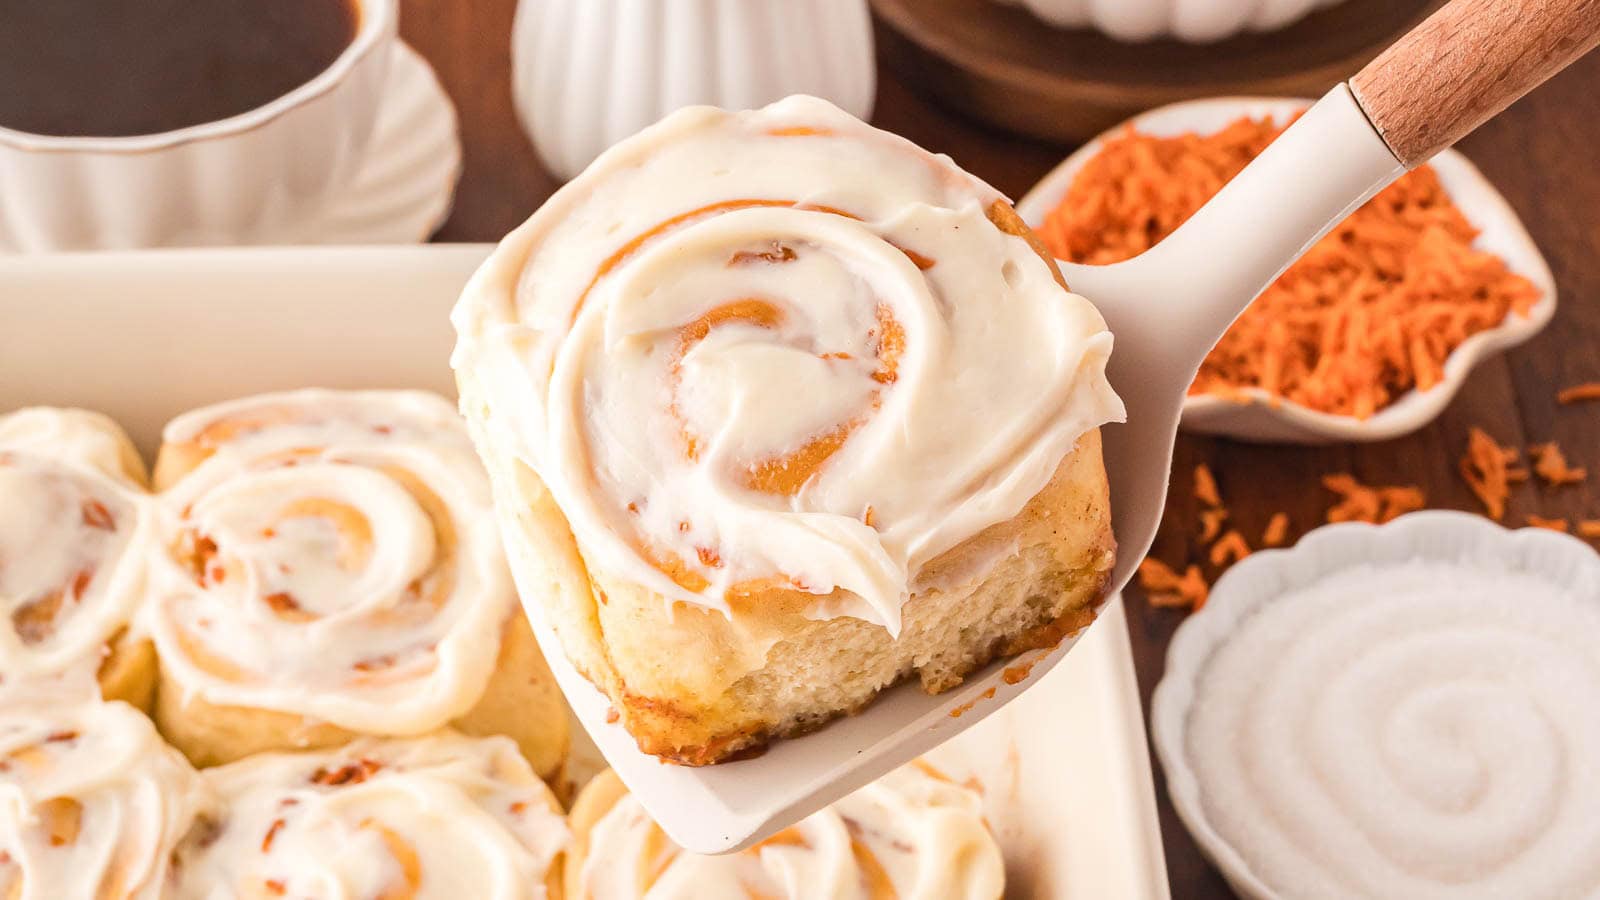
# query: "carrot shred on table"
[1551,464]
[1211,524]
[1166,588]
[1375,505]
[1586,391]
[1277,530]
[1548,524]
[1205,486]
[1486,468]
[1589,528]
[1230,548]
[1370,312]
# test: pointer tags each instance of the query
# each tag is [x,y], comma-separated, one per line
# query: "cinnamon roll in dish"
[781,409]
[91,802]
[73,527]
[444,816]
[329,566]
[911,835]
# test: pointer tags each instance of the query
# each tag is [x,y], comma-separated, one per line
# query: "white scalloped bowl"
[1431,536]
[1263,417]
[1195,21]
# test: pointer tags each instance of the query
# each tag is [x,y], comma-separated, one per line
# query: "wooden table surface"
[1541,153]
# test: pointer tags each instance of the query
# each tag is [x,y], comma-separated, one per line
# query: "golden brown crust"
[597,798]
[129,671]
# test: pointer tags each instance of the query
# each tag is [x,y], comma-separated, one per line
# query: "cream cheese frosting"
[779,347]
[72,531]
[445,817]
[911,835]
[332,555]
[91,802]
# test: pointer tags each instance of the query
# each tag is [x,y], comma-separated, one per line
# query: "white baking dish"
[143,336]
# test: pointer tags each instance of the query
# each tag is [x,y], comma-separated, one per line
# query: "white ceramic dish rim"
[375,21]
[1433,534]
[1414,409]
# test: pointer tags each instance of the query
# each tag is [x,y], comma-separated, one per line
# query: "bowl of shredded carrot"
[1371,333]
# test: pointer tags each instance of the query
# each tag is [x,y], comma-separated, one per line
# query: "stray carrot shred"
[1166,588]
[1589,528]
[1277,530]
[1230,549]
[1205,486]
[1486,469]
[1551,465]
[1370,312]
[1550,524]
[1211,524]
[1375,505]
[1587,391]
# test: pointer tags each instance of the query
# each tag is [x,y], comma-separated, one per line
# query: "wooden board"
[1003,66]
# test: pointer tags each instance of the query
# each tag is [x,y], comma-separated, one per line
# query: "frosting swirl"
[438,817]
[911,834]
[331,555]
[91,802]
[72,527]
[1437,737]
[780,349]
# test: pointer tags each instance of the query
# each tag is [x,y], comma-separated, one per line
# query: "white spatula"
[1166,308]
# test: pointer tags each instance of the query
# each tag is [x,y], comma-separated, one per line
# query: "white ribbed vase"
[588,73]
[1196,21]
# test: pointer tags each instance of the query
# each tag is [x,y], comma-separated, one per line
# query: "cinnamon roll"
[781,409]
[91,802]
[72,558]
[911,835]
[329,567]
[443,816]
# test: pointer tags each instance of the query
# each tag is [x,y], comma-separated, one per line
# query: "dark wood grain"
[1539,152]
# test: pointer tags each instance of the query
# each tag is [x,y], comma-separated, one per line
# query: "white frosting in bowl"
[1373,723]
[779,348]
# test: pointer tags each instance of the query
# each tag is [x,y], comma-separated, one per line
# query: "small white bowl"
[1266,418]
[231,181]
[1195,21]
[1438,536]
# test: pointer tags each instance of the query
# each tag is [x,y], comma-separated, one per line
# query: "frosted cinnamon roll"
[444,816]
[72,556]
[759,386]
[91,802]
[329,566]
[911,835]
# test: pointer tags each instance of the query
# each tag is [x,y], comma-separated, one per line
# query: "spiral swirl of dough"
[445,817]
[780,349]
[72,532]
[911,835]
[91,802]
[1422,730]
[331,555]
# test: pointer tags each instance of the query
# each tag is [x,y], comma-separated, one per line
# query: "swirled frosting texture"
[1421,730]
[91,802]
[72,529]
[779,348]
[911,835]
[444,817]
[332,555]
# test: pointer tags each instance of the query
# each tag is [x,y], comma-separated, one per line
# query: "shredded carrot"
[1589,528]
[1376,505]
[1166,588]
[1205,486]
[1277,530]
[1211,524]
[1550,464]
[1486,468]
[1370,312]
[1230,549]
[1587,391]
[1550,524]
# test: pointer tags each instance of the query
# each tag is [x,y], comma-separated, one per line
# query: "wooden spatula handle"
[1467,62]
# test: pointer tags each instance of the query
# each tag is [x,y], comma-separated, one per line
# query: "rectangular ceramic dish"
[144,336]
